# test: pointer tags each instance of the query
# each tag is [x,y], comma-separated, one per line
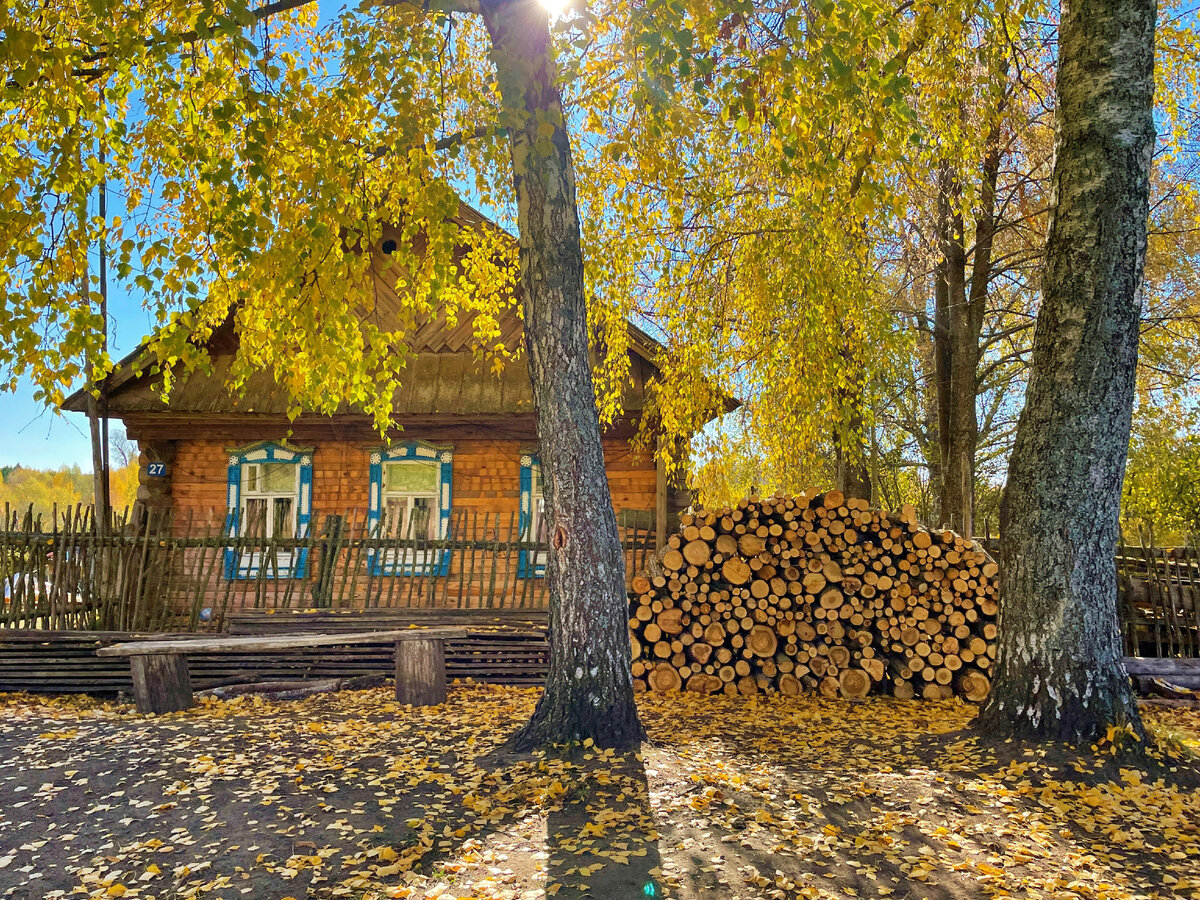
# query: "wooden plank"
[1163,667]
[277,642]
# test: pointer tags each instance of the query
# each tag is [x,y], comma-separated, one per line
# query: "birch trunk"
[1059,672]
[589,686]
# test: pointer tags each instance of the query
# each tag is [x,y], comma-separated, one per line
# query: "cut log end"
[974,686]
[817,593]
[854,684]
[663,678]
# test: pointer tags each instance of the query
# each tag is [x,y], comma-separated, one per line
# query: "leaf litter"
[353,795]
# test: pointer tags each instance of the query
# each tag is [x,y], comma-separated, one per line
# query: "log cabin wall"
[486,489]
[486,476]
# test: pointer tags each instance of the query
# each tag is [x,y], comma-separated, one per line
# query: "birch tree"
[257,155]
[1059,670]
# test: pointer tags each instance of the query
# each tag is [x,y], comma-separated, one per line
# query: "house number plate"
[156,470]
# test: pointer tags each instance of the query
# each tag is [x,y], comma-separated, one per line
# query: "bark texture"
[589,686]
[161,684]
[1059,671]
[849,442]
[960,303]
[421,672]
[853,467]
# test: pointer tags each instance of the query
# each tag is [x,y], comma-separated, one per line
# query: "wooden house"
[466,451]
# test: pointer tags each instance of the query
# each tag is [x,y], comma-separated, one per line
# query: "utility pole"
[97,406]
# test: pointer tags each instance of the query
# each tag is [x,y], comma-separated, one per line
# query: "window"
[270,497]
[410,501]
[269,492]
[532,563]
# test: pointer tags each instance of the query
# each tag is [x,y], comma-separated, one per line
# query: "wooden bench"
[162,683]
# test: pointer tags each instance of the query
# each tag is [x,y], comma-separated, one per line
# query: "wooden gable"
[445,375]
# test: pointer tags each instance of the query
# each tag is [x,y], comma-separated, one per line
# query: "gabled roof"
[445,375]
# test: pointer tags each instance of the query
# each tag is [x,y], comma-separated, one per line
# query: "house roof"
[444,376]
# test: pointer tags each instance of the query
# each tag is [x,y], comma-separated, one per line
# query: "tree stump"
[161,683]
[421,672]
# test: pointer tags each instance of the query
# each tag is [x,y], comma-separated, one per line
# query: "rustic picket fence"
[1159,599]
[157,572]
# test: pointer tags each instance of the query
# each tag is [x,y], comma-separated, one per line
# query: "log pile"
[817,593]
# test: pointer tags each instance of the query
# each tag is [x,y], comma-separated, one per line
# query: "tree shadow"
[602,837]
[887,795]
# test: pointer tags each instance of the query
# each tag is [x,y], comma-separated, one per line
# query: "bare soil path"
[351,795]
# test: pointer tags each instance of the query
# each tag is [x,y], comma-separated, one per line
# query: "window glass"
[254,517]
[283,516]
[269,493]
[269,478]
[412,477]
[537,503]
[410,500]
[279,477]
[419,513]
[424,515]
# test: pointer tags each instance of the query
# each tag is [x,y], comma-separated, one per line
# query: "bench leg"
[421,672]
[161,683]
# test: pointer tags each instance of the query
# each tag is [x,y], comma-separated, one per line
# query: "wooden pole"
[660,497]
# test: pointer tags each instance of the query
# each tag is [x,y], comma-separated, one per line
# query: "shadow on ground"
[350,795]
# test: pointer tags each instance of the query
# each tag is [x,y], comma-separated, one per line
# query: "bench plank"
[278,642]
[1163,667]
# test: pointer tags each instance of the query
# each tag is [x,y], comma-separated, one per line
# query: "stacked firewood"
[817,593]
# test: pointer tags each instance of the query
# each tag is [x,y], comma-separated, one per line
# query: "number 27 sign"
[156,470]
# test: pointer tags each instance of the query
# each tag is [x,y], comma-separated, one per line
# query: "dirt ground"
[351,795]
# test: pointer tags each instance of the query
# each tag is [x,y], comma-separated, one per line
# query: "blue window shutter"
[303,515]
[527,566]
[374,507]
[445,495]
[233,498]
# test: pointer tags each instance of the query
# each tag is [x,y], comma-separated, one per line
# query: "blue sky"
[34,436]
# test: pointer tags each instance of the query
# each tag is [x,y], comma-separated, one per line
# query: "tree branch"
[87,70]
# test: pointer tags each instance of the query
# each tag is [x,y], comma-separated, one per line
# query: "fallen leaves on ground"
[352,795]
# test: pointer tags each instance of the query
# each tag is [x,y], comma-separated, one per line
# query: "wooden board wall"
[487,475]
[485,488]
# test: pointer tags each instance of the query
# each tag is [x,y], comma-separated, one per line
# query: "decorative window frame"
[421,451]
[242,564]
[528,563]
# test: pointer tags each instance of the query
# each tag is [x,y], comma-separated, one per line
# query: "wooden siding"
[485,498]
[486,475]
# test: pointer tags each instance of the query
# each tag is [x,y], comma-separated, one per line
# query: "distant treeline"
[45,489]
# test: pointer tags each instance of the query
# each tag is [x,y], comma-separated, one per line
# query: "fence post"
[331,542]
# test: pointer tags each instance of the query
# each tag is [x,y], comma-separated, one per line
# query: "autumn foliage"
[353,795]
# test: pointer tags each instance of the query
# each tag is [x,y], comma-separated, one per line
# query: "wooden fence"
[160,574]
[156,573]
[1159,599]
